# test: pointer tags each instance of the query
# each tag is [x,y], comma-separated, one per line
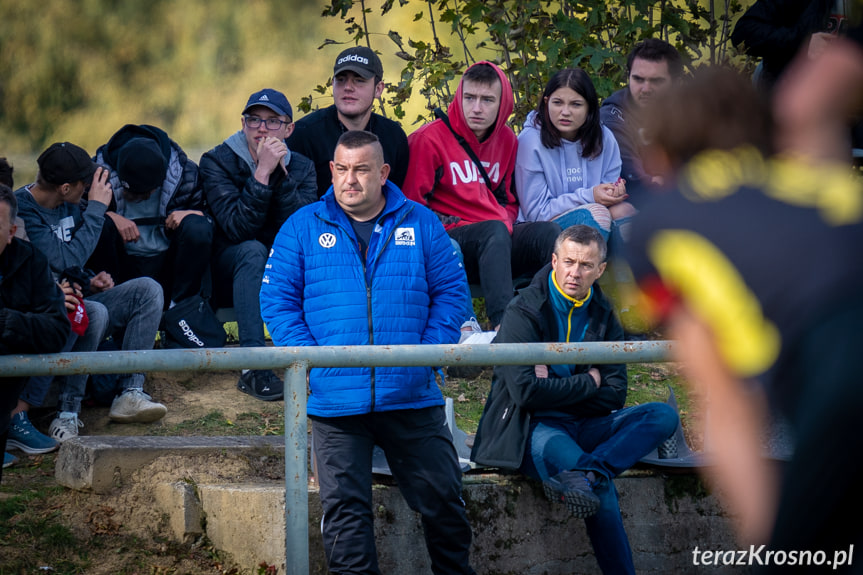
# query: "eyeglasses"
[271,123]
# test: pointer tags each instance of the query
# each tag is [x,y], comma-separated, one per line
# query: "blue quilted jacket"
[411,289]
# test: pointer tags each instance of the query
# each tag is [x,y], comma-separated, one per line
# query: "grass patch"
[468,396]
[268,422]
[32,531]
[647,382]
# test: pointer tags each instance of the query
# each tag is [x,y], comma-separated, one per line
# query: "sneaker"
[469,328]
[27,438]
[262,384]
[9,460]
[134,406]
[573,488]
[65,428]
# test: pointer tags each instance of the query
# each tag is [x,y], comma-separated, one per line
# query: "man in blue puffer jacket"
[366,266]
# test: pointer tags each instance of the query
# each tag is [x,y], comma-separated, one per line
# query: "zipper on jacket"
[369,295]
[371,332]
[368,286]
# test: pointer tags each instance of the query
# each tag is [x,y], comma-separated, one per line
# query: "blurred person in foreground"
[753,264]
[32,314]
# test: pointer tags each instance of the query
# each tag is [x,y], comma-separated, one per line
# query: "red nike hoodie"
[443,177]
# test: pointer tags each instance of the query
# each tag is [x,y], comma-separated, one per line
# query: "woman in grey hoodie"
[568,165]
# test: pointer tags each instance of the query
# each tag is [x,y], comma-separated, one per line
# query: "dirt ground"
[123,533]
[61,531]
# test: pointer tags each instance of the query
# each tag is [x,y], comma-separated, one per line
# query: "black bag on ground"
[192,323]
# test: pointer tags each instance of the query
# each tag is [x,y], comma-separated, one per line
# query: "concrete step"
[516,530]
[101,463]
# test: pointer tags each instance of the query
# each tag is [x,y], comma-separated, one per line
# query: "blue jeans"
[73,388]
[242,267]
[580,216]
[134,312]
[606,445]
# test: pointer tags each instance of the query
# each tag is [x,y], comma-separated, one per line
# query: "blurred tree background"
[78,70]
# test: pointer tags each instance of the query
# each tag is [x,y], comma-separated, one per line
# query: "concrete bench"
[516,530]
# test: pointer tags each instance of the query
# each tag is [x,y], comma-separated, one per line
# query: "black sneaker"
[262,384]
[573,488]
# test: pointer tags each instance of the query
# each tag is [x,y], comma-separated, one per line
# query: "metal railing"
[298,360]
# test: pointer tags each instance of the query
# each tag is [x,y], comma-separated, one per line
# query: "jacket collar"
[330,210]
[536,301]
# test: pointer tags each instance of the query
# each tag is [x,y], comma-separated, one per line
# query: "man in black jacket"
[357,83]
[32,311]
[565,424]
[252,183]
[155,226]
[652,69]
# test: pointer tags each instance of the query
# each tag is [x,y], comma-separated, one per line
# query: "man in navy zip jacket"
[366,266]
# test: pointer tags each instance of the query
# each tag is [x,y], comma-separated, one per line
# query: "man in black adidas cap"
[252,183]
[357,82]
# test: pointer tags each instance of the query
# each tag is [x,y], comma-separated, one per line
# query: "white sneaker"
[468,328]
[65,428]
[134,406]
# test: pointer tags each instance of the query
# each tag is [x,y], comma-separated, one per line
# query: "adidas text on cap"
[272,99]
[65,163]
[360,60]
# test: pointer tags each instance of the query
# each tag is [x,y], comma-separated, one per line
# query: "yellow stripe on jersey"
[695,268]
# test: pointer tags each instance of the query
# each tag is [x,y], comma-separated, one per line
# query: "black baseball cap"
[66,163]
[360,60]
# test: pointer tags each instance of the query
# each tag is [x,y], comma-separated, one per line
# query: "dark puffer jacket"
[246,209]
[32,315]
[180,190]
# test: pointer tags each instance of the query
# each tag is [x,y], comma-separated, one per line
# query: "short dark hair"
[719,109]
[481,74]
[7,196]
[353,139]
[584,235]
[590,133]
[655,50]
[6,171]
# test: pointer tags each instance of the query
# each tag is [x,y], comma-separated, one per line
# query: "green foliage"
[79,70]
[532,39]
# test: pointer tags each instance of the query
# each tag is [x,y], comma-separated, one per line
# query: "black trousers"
[493,258]
[422,457]
[179,270]
[821,390]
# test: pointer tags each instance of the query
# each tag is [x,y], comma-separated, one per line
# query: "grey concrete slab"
[103,462]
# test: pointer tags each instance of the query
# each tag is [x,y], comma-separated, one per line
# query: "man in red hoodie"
[461,166]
